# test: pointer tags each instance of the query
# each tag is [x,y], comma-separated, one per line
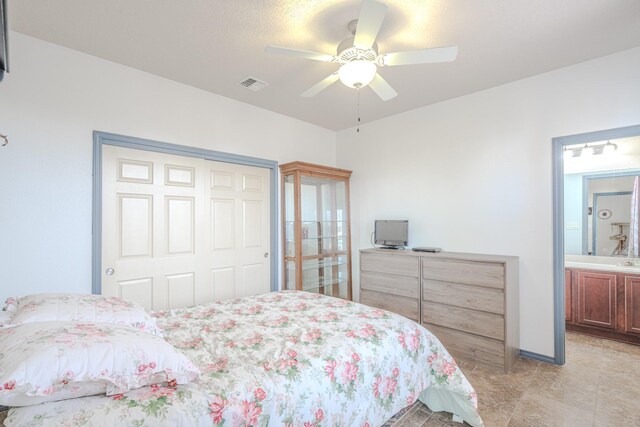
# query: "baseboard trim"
[536,356]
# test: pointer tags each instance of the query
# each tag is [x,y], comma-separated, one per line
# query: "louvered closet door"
[179,231]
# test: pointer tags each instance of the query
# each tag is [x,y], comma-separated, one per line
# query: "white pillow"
[5,318]
[79,308]
[48,361]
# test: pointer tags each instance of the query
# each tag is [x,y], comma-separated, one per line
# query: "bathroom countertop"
[603,267]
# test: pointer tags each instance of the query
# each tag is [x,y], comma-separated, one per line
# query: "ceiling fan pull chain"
[358,112]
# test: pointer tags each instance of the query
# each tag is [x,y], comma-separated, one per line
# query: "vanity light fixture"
[609,147]
[589,150]
[572,152]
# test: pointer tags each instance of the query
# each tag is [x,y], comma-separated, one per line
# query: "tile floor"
[598,387]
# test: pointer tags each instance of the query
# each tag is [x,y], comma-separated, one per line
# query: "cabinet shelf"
[315,222]
[320,265]
[324,255]
[317,238]
[322,282]
[316,241]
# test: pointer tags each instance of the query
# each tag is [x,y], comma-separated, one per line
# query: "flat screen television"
[391,233]
[4,34]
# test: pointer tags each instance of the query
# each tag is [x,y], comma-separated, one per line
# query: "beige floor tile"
[578,351]
[599,386]
[423,407]
[536,410]
[442,419]
[583,397]
[621,347]
[415,418]
[576,385]
[496,419]
[465,365]
[496,416]
[625,384]
[496,392]
[573,337]
[572,374]
[604,419]
[615,404]
[520,375]
[620,361]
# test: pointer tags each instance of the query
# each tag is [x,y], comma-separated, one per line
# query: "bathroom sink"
[629,264]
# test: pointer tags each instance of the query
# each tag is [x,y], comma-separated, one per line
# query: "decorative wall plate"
[604,214]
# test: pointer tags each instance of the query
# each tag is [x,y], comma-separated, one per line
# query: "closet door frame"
[104,138]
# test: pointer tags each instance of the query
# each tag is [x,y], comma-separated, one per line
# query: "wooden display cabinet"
[316,229]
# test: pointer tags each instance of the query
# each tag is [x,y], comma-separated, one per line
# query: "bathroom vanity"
[602,297]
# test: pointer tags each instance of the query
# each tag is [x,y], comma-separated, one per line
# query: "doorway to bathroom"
[596,236]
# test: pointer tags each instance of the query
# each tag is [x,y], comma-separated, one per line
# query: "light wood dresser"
[469,301]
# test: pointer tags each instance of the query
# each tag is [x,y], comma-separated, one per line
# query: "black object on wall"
[4,35]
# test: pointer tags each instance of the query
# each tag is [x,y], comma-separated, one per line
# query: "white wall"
[52,101]
[473,174]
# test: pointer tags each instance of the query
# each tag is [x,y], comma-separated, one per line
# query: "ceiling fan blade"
[369,22]
[423,56]
[274,50]
[320,86]
[382,88]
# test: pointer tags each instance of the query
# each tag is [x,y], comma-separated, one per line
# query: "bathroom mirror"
[598,188]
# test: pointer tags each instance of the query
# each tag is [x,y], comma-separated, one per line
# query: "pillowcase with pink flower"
[5,319]
[49,361]
[80,308]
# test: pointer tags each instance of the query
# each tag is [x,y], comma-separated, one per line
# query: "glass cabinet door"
[316,232]
[289,243]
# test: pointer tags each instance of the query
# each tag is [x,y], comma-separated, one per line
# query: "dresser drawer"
[390,264]
[476,322]
[468,272]
[407,307]
[474,297]
[396,285]
[461,344]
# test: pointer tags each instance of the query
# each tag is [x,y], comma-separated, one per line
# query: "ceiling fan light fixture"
[358,73]
[359,58]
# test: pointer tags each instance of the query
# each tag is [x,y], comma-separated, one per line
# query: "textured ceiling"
[213,44]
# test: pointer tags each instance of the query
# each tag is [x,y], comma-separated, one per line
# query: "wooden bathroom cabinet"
[603,303]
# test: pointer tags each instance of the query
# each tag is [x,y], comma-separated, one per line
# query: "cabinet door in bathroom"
[568,296]
[632,304]
[597,299]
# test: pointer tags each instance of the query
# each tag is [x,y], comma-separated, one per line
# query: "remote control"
[435,250]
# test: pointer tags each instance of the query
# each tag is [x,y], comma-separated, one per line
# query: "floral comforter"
[282,359]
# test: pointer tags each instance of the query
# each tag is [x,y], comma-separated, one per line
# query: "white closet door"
[239,229]
[163,224]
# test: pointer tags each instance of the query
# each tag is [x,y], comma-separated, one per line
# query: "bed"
[282,359]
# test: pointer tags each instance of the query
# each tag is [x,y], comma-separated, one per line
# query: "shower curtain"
[634,233]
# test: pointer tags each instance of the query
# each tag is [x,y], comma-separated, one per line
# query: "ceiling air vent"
[252,83]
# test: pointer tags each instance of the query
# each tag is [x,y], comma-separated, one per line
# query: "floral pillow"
[79,308]
[5,319]
[48,361]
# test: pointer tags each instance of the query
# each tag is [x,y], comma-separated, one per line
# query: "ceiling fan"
[358,55]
